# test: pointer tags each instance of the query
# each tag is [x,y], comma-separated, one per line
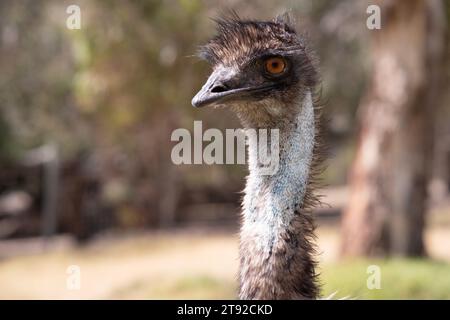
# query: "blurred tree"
[392,165]
[110,94]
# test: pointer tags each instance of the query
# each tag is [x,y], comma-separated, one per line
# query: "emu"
[264,71]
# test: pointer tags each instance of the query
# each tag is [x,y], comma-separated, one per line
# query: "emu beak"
[217,88]
[225,84]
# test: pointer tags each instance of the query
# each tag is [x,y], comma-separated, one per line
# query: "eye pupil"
[275,65]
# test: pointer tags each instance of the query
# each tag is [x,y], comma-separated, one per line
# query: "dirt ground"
[192,263]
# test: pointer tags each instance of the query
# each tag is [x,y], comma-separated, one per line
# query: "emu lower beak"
[218,88]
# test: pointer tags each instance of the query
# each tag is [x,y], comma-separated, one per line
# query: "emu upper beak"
[220,86]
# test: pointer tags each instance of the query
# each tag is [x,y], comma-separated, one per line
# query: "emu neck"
[276,251]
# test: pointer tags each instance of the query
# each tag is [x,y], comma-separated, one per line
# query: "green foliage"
[36,99]
[130,63]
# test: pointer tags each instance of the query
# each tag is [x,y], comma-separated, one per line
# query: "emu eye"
[275,65]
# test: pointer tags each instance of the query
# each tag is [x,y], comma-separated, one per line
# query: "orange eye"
[275,65]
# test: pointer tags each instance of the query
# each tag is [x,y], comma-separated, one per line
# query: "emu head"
[256,64]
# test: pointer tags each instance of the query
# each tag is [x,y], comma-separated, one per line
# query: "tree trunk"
[385,214]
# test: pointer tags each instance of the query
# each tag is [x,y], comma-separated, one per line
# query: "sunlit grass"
[400,279]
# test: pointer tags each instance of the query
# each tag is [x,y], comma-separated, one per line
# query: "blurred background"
[86,178]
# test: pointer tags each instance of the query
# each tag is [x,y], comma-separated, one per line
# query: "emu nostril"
[219,88]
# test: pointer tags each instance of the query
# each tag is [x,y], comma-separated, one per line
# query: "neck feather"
[276,249]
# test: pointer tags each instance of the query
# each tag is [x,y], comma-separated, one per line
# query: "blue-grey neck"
[276,247]
[270,200]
